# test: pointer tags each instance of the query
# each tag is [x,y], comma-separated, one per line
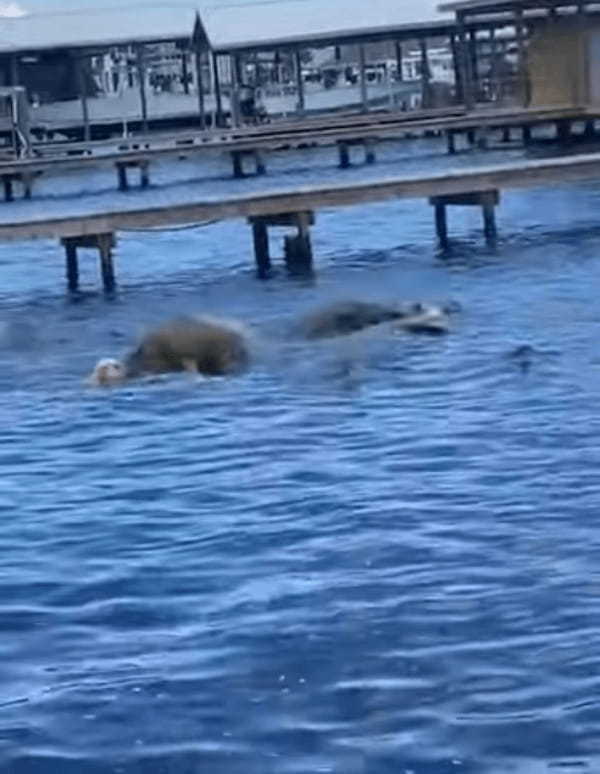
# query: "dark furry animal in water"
[198,345]
[347,317]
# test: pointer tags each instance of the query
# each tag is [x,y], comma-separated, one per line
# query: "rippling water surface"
[378,554]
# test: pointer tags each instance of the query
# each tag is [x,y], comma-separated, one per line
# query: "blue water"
[376,554]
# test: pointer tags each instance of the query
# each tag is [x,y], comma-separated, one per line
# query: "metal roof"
[96,28]
[488,6]
[282,22]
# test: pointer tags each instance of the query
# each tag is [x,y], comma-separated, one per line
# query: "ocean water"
[375,554]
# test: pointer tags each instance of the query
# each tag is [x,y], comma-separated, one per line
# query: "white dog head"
[107,372]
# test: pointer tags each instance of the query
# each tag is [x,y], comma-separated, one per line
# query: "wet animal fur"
[204,345]
[346,317]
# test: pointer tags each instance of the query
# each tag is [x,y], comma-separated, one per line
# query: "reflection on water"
[377,554]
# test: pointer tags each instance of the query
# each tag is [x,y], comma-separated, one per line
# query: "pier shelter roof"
[96,28]
[312,23]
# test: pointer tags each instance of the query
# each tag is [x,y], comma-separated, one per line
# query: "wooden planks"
[520,174]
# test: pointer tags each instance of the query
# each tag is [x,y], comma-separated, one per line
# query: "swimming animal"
[346,317]
[198,345]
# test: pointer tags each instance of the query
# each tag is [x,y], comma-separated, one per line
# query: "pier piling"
[297,248]
[260,236]
[72,266]
[487,200]
[104,243]
[344,152]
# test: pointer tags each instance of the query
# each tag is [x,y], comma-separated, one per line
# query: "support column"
[300,104]
[364,97]
[523,77]
[184,72]
[14,70]
[80,74]
[369,151]
[344,152]
[495,88]
[234,99]
[466,78]
[122,176]
[200,88]
[298,249]
[459,91]
[144,174]
[399,73]
[488,208]
[105,245]
[217,88]
[563,131]
[441,225]
[238,168]
[141,70]
[260,236]
[8,188]
[72,266]
[261,167]
[425,75]
[451,139]
[474,64]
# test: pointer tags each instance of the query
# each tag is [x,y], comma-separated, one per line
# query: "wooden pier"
[296,208]
[344,133]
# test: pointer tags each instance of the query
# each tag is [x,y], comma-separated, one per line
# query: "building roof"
[245,26]
[492,6]
[96,28]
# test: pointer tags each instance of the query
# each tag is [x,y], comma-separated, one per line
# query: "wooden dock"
[296,207]
[248,148]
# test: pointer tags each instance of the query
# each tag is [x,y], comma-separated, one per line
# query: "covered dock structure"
[240,37]
[555,56]
[89,73]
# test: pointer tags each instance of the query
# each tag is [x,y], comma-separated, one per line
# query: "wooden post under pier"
[141,164]
[487,200]
[297,248]
[104,243]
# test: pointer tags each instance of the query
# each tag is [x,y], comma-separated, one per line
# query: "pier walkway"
[248,148]
[81,224]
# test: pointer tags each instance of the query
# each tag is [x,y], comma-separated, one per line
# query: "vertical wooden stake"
[122,175]
[105,243]
[72,266]
[260,237]
[488,207]
[441,225]
[344,155]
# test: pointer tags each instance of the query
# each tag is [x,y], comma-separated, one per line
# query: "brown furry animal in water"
[198,345]
[345,317]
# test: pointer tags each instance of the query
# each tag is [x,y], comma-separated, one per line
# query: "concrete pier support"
[104,243]
[297,248]
[487,200]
